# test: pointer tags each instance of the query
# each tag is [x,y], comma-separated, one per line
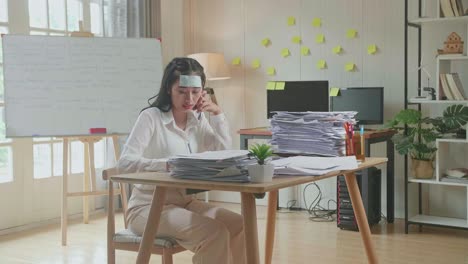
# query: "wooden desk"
[370,137]
[247,190]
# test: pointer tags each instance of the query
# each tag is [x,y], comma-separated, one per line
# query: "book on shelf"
[446,8]
[459,84]
[454,7]
[454,180]
[460,8]
[456,175]
[456,91]
[445,88]
[451,8]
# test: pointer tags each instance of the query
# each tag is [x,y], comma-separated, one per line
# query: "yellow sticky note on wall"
[334,91]
[349,66]
[270,85]
[266,42]
[285,52]
[305,50]
[337,49]
[291,21]
[236,61]
[317,22]
[372,49]
[296,40]
[256,63]
[280,85]
[320,38]
[351,33]
[321,64]
[271,71]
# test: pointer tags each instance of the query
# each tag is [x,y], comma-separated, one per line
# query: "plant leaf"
[408,116]
[456,116]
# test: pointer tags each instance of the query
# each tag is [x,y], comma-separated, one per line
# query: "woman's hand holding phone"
[204,105]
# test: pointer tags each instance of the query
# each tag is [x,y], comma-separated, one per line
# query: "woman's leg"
[231,220]
[206,237]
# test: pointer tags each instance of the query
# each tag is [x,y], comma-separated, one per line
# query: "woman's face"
[184,98]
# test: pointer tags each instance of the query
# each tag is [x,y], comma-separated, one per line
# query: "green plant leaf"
[408,116]
[261,152]
[404,145]
[456,116]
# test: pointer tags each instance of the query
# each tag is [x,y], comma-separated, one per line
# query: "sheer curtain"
[133,19]
[144,18]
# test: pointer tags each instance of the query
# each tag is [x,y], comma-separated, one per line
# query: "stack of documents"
[315,133]
[224,165]
[313,166]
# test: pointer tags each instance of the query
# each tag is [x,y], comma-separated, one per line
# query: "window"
[6,159]
[59,18]
[54,17]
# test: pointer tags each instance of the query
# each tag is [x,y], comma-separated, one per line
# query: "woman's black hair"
[175,68]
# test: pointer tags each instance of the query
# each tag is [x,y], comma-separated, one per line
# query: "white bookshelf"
[437,20]
[445,63]
[439,221]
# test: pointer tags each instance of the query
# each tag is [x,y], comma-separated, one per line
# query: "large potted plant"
[418,140]
[262,171]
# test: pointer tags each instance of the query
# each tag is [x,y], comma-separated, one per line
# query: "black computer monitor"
[299,96]
[367,101]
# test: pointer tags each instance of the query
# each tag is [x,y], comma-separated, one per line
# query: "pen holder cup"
[358,149]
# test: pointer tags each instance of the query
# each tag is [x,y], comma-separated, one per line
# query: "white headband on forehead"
[190,81]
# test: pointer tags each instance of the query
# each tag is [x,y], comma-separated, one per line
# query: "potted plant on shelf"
[262,171]
[419,140]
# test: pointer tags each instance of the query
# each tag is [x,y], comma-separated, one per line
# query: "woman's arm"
[131,159]
[217,135]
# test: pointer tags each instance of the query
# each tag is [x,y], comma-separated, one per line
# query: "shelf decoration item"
[453,45]
[422,132]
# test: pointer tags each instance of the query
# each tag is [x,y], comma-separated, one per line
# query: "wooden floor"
[298,240]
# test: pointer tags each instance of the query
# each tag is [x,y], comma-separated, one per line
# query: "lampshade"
[214,65]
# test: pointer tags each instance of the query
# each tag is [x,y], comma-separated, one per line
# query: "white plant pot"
[261,173]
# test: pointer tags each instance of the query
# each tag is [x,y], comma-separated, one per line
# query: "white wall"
[236,29]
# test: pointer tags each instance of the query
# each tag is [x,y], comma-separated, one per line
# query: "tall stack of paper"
[225,165]
[317,133]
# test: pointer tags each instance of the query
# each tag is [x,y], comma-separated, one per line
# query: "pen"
[363,154]
[351,136]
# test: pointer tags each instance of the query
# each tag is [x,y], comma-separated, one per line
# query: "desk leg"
[159,197]
[390,181]
[244,142]
[250,228]
[361,217]
[270,226]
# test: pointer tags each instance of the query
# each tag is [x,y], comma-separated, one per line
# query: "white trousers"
[214,234]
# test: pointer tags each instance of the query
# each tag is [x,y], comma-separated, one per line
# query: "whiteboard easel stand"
[89,177]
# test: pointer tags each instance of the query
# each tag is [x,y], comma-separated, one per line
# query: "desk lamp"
[215,69]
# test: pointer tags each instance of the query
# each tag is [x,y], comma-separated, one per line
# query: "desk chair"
[126,240]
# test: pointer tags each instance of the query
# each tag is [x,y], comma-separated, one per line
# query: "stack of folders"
[224,165]
[312,133]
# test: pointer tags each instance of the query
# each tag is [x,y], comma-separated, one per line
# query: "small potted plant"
[262,171]
[421,133]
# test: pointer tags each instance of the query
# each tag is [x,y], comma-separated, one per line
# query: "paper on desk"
[216,155]
[304,165]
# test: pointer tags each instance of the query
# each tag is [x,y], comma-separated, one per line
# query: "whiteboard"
[63,86]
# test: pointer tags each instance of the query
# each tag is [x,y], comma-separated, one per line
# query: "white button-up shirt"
[156,137]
